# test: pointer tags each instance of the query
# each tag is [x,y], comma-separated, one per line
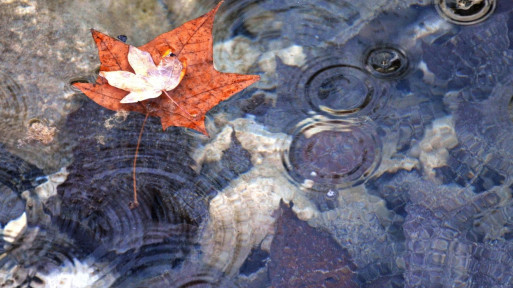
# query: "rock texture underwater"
[375,151]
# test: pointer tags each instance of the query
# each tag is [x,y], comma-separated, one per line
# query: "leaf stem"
[135,203]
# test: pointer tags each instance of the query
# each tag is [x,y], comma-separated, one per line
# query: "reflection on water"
[376,149]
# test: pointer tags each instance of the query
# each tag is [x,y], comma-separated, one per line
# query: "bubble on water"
[386,62]
[465,12]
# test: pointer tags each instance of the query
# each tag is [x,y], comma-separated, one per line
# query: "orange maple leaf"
[201,88]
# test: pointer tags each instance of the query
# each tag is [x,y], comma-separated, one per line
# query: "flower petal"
[133,97]
[127,81]
[168,74]
[140,61]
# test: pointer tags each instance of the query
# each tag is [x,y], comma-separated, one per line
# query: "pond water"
[375,151]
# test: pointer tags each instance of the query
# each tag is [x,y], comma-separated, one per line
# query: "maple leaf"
[201,88]
[131,81]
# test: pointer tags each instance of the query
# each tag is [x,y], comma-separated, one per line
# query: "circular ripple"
[94,199]
[465,12]
[155,266]
[202,278]
[386,62]
[11,205]
[149,265]
[39,252]
[89,78]
[301,23]
[332,153]
[338,90]
[16,176]
[13,109]
[324,85]
[11,96]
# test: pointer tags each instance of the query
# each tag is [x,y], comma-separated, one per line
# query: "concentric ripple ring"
[465,12]
[332,153]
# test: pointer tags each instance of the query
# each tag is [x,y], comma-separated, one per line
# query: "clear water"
[374,152]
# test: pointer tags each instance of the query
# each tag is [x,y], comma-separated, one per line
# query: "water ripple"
[149,263]
[37,254]
[93,202]
[300,22]
[465,12]
[332,153]
[13,109]
[324,85]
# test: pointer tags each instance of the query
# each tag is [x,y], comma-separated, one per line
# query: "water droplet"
[465,12]
[386,62]
[333,153]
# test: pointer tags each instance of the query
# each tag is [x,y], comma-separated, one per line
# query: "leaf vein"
[193,33]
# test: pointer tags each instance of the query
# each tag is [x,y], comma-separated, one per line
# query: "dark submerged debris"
[122,38]
[18,174]
[450,232]
[302,256]
[474,60]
